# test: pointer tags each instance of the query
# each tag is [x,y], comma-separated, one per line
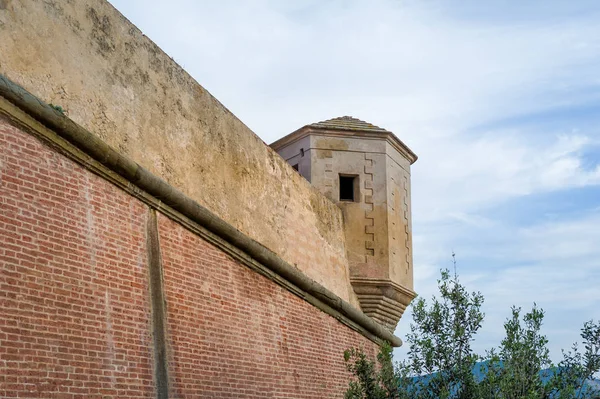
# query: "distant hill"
[479,371]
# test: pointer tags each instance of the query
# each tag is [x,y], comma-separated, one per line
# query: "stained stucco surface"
[110,78]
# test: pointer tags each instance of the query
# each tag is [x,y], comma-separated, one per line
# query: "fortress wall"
[110,78]
[80,315]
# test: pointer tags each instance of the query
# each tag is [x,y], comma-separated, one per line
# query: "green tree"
[577,368]
[372,381]
[376,381]
[440,340]
[440,359]
[515,371]
[439,346]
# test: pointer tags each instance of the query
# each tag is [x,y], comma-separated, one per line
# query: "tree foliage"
[441,363]
[578,366]
[516,370]
[440,340]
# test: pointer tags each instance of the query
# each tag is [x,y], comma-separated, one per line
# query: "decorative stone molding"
[382,300]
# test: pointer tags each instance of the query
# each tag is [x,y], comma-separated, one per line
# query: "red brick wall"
[75,312]
[73,299]
[234,333]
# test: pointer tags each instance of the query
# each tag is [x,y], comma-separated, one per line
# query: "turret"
[365,170]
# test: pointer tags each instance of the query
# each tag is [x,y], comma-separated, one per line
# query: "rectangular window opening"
[348,187]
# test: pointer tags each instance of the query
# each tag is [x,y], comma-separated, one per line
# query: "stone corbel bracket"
[382,300]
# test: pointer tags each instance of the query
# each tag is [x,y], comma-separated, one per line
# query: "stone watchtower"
[365,170]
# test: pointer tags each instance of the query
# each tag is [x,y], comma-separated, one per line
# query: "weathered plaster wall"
[87,58]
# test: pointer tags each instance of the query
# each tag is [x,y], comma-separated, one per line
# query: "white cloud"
[482,172]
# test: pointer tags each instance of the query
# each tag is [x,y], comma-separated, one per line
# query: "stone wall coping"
[87,149]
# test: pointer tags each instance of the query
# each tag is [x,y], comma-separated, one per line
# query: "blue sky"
[500,100]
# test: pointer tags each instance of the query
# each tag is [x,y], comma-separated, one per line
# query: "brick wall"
[234,333]
[75,309]
[73,302]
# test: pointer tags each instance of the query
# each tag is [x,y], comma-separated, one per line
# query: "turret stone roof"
[348,123]
[346,126]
